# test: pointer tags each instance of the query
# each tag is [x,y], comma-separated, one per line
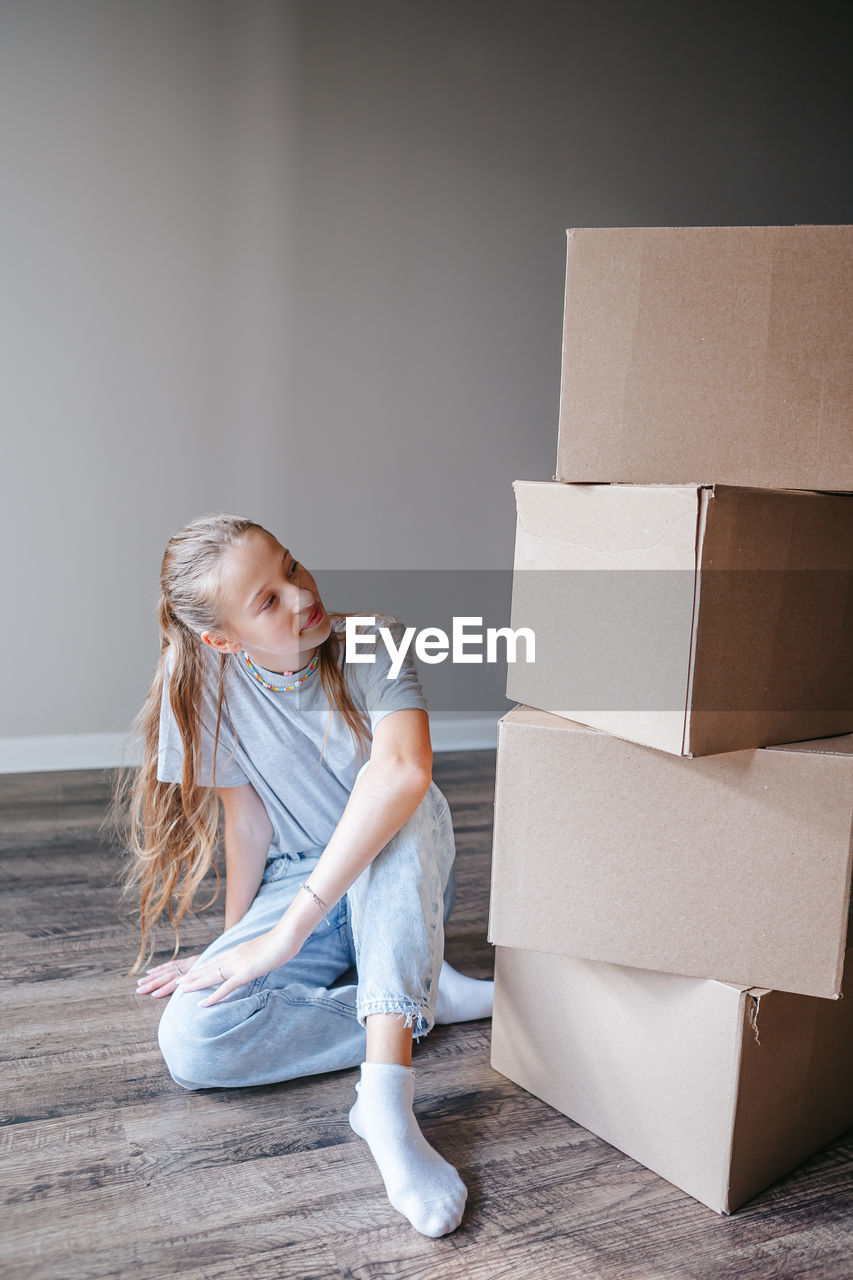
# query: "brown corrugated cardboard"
[694,619]
[735,867]
[708,354]
[718,1089]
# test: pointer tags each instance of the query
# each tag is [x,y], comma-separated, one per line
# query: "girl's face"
[270,605]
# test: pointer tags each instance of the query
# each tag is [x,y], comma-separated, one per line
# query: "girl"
[338,849]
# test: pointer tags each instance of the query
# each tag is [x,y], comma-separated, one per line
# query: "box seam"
[843,935]
[726,1185]
[703,496]
[569,238]
[490,925]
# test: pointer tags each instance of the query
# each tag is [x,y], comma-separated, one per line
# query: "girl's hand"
[243,963]
[163,978]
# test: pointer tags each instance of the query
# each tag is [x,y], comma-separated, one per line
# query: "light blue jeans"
[293,1022]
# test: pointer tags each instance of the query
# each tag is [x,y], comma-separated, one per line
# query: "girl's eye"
[293,568]
[267,603]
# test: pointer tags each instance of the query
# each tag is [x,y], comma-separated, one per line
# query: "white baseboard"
[63,751]
[107,750]
[463,733]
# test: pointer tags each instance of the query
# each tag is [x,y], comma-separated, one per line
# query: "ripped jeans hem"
[418,1016]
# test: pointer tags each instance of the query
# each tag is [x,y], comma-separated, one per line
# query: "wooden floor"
[110,1169]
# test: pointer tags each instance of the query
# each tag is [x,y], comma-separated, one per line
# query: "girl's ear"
[219,642]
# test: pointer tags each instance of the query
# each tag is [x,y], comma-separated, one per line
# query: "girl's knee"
[185,1043]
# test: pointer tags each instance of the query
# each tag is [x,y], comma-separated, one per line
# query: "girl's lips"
[314,618]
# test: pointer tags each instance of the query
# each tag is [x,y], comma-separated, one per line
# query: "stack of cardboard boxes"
[672,846]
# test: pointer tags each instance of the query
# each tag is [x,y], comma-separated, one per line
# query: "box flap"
[838,746]
[605,526]
[770,530]
[795,1092]
[771,564]
[604,576]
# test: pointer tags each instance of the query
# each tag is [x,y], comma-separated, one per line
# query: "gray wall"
[305,261]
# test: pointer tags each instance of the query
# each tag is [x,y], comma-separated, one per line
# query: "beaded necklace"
[281,688]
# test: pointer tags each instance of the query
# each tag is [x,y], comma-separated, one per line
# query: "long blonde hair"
[171,828]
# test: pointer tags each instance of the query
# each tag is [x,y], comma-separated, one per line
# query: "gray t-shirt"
[279,736]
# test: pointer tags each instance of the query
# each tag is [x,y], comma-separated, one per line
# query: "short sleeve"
[170,755]
[384,692]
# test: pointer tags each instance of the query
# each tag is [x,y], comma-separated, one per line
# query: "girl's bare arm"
[386,794]
[248,832]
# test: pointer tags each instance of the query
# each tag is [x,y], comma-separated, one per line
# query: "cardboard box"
[735,867]
[708,354]
[718,1089]
[695,619]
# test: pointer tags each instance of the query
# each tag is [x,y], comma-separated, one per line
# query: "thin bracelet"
[311,894]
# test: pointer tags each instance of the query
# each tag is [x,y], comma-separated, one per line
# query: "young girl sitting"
[338,849]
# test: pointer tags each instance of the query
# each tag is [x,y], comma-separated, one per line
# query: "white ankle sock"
[420,1184]
[462,999]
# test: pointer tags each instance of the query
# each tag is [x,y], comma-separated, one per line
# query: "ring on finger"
[178,967]
[221,974]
